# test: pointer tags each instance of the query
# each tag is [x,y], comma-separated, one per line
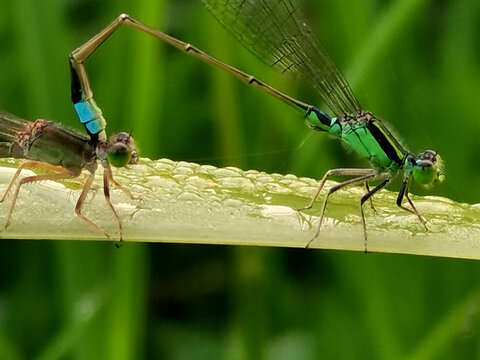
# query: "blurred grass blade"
[454,325]
[83,313]
[386,30]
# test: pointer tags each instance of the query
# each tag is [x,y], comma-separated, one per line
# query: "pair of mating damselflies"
[276,32]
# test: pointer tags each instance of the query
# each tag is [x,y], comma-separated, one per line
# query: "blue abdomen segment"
[90,116]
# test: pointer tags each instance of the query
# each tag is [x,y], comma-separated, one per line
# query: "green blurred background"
[412,62]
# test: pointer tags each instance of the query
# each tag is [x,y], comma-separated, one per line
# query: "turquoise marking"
[315,123]
[319,121]
[84,112]
[90,116]
[335,128]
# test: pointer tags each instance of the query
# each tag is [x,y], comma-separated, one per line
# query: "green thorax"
[372,140]
[366,135]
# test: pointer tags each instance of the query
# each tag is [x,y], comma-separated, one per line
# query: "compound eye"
[428,155]
[425,172]
[121,150]
[119,154]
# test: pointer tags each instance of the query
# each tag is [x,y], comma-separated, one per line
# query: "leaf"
[192,203]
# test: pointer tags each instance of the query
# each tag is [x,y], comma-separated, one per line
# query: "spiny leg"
[336,172]
[364,198]
[107,177]
[404,193]
[358,180]
[59,173]
[371,199]
[28,164]
[416,212]
[120,186]
[12,181]
[80,202]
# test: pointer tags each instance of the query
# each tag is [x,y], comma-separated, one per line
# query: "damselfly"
[276,32]
[65,153]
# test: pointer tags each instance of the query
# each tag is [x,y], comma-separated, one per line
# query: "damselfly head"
[428,168]
[121,150]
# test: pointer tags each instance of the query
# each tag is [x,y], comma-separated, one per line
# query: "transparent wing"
[275,31]
[11,125]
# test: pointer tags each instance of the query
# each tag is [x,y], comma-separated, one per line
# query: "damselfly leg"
[361,176]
